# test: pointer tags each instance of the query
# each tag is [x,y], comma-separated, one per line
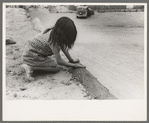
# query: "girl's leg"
[50,69]
[29,70]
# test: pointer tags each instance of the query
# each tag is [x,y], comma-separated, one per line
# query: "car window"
[79,9]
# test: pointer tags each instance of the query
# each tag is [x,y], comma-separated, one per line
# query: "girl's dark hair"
[63,33]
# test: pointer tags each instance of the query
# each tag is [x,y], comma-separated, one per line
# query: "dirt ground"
[110,45]
[46,85]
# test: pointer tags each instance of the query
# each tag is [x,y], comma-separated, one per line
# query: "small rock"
[22,89]
[40,82]
[17,49]
[71,79]
[95,97]
[14,73]
[28,16]
[83,89]
[86,95]
[90,97]
[20,72]
[15,95]
[13,58]
[66,82]
[80,85]
[11,73]
[64,69]
[30,19]
[7,93]
[16,78]
[87,92]
[8,70]
[77,83]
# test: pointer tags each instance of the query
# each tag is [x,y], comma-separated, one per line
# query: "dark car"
[91,12]
[84,11]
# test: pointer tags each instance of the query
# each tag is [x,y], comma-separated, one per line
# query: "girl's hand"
[74,61]
[79,66]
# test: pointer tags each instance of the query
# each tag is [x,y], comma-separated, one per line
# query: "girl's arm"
[69,57]
[60,61]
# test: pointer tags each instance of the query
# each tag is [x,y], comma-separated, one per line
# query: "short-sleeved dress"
[38,51]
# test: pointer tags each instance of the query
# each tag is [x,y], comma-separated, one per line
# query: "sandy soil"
[47,85]
[111,46]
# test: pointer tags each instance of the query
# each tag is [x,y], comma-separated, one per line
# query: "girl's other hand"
[79,66]
[75,61]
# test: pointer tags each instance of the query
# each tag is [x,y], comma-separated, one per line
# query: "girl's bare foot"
[28,71]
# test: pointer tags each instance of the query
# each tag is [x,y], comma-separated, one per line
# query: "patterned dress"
[38,51]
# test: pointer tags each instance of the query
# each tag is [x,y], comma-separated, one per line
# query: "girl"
[38,52]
